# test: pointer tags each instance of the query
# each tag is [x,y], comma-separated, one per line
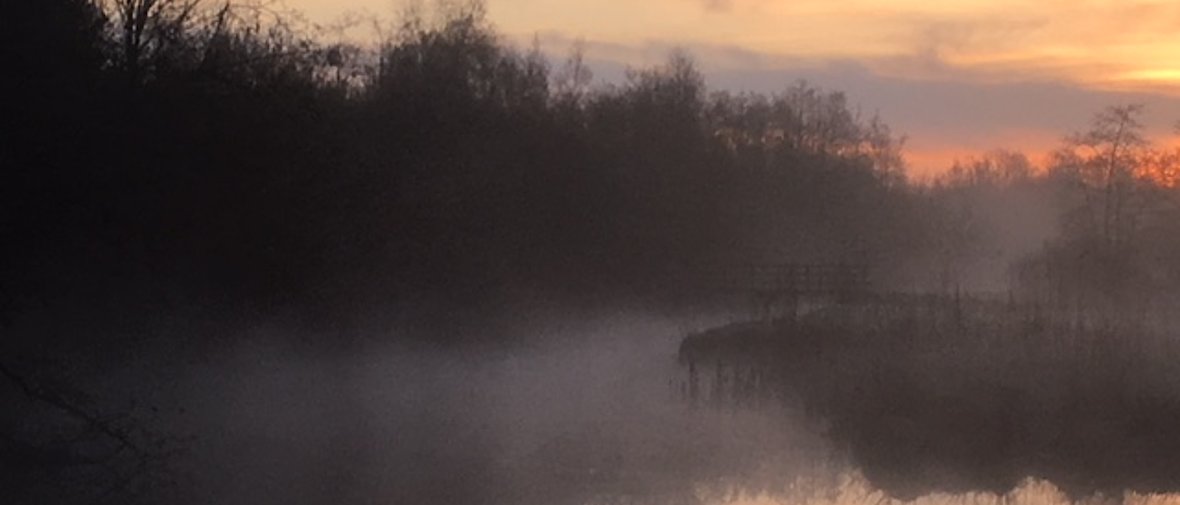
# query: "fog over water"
[594,412]
[245,263]
[588,411]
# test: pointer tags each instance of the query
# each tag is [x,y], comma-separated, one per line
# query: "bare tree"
[1104,160]
[572,81]
[147,28]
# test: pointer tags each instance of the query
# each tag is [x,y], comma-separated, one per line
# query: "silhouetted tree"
[250,169]
[1104,160]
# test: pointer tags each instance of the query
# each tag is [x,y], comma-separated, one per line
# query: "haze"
[959,78]
[575,253]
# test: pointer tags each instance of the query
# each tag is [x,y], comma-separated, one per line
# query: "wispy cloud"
[1127,45]
[718,5]
[964,112]
[958,76]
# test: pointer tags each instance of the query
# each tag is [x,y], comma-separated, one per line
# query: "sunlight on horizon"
[1081,46]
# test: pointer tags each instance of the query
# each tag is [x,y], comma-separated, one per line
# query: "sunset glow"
[1085,42]
[1117,51]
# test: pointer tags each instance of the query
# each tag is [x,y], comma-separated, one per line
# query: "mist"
[578,412]
[246,263]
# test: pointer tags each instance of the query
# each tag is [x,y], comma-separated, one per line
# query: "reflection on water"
[945,395]
[853,489]
[596,416]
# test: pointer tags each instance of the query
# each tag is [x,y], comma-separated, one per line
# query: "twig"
[55,400]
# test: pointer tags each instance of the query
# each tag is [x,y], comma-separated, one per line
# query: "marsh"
[505,252]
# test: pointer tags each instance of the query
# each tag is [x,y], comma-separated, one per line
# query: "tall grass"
[965,394]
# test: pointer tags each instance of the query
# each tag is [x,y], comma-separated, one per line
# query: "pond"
[594,411]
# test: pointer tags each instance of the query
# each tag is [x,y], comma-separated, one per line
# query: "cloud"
[1089,44]
[718,5]
[945,119]
[948,111]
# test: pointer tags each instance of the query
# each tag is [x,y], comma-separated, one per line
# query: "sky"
[957,77]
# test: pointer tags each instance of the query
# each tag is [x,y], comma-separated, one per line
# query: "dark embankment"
[943,395]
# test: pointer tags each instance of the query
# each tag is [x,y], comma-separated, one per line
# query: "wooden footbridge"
[791,284]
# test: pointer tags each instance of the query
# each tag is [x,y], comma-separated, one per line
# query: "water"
[590,413]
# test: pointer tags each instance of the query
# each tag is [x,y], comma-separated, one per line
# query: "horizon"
[1024,78]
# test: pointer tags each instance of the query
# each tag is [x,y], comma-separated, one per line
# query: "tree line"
[209,166]
[181,156]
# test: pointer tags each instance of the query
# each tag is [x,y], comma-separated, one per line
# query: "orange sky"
[957,76]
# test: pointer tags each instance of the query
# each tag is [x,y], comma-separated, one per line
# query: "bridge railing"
[791,279]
